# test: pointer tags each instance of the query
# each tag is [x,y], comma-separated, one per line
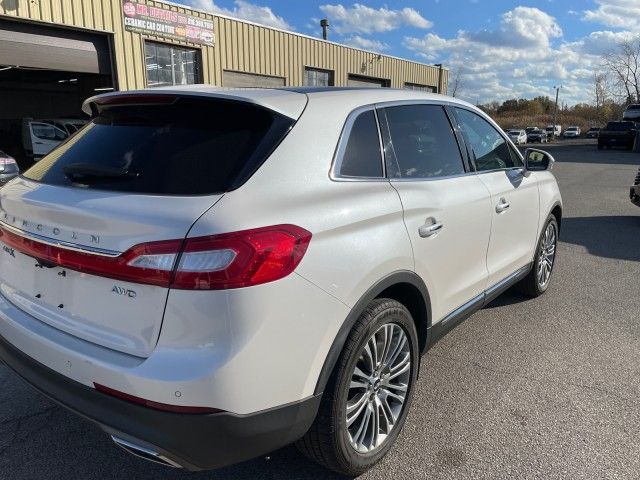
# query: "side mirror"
[537,160]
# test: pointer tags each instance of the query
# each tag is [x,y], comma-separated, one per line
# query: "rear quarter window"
[361,155]
[195,146]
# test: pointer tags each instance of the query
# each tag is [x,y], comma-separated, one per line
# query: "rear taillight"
[8,163]
[230,260]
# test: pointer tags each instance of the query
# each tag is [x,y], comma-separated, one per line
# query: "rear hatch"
[139,175]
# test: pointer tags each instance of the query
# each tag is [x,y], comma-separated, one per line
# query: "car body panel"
[512,239]
[90,219]
[454,269]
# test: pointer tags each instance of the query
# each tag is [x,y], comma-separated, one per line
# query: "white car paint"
[245,350]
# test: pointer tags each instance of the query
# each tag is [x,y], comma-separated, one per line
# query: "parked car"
[632,112]
[553,130]
[40,137]
[8,168]
[635,190]
[537,135]
[240,305]
[593,132]
[572,132]
[617,134]
[518,136]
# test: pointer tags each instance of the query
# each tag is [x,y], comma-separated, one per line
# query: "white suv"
[212,274]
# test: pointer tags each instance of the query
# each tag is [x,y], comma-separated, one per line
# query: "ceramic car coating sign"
[166,23]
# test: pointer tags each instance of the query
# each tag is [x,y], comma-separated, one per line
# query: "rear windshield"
[194,146]
[619,126]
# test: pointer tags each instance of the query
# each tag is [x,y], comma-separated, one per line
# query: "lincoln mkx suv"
[212,274]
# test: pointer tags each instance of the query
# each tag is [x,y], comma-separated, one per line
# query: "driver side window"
[490,149]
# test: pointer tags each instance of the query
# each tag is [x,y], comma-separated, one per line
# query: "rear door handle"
[430,229]
[502,206]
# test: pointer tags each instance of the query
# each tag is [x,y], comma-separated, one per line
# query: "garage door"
[242,80]
[37,46]
[360,81]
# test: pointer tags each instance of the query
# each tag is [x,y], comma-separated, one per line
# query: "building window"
[417,86]
[170,65]
[315,77]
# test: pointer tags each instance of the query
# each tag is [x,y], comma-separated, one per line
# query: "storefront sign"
[142,18]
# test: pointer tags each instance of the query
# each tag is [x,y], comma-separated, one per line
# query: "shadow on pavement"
[615,237]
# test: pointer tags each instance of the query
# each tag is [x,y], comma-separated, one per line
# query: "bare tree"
[624,66]
[456,84]
[600,90]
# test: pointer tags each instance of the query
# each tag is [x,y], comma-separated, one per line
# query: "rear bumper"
[634,195]
[616,141]
[195,442]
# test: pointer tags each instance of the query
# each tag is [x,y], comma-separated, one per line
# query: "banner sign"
[141,18]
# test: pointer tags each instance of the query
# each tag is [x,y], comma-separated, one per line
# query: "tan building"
[55,53]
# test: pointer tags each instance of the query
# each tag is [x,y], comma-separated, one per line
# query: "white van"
[555,130]
[40,137]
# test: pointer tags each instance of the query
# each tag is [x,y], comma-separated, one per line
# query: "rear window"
[193,147]
[619,126]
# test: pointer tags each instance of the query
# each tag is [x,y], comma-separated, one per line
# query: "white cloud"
[246,11]
[366,43]
[362,19]
[616,14]
[522,27]
[524,57]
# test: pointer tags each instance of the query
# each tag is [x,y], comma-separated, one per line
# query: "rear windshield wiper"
[87,172]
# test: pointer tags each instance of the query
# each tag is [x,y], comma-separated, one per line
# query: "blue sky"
[502,49]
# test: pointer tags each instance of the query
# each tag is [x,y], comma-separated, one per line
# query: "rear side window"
[423,141]
[490,149]
[194,146]
[362,156]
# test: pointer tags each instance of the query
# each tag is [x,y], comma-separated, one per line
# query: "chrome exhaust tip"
[144,452]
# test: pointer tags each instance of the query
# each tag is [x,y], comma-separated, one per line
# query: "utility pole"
[555,110]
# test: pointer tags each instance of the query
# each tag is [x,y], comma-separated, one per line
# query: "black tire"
[531,284]
[328,442]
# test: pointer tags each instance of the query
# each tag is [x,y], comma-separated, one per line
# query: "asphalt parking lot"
[546,388]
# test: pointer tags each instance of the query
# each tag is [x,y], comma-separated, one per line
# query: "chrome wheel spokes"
[378,388]
[547,255]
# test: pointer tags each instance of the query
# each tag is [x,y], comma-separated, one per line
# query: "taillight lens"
[241,259]
[8,163]
[230,260]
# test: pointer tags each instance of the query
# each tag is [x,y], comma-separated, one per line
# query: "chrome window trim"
[334,173]
[74,247]
[346,130]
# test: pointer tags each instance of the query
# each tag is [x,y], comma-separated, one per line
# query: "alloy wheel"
[546,255]
[378,388]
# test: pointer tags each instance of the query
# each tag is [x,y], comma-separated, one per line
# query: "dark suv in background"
[617,134]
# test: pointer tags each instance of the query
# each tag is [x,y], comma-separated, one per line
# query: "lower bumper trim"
[194,442]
